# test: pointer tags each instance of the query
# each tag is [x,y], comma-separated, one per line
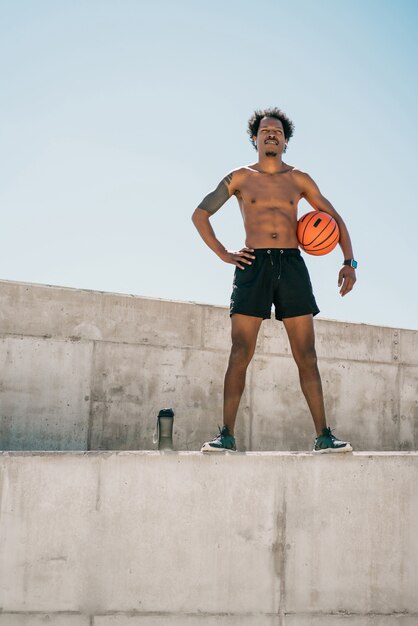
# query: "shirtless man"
[271,270]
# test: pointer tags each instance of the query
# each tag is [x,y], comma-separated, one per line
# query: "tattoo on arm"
[215,199]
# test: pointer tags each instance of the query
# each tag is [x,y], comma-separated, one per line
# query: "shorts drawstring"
[280,264]
[280,261]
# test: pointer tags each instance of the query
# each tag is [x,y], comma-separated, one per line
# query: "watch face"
[354,264]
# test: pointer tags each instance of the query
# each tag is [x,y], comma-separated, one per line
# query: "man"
[270,269]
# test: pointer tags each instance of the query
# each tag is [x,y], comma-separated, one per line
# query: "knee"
[241,352]
[306,358]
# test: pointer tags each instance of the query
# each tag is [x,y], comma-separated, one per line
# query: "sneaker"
[220,443]
[327,442]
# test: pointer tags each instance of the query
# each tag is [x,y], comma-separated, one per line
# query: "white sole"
[347,448]
[207,448]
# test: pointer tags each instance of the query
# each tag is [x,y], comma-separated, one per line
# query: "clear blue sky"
[118,117]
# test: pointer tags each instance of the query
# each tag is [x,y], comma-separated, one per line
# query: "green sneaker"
[328,443]
[220,443]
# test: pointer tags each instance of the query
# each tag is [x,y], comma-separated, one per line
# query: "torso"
[268,204]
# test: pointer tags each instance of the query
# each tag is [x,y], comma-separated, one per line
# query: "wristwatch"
[351,263]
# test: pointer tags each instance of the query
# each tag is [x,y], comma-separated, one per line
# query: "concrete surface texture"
[180,538]
[84,370]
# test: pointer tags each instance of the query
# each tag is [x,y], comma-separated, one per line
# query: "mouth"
[272,141]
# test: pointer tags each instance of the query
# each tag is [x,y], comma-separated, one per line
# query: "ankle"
[321,432]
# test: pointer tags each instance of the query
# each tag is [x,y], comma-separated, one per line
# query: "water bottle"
[164,427]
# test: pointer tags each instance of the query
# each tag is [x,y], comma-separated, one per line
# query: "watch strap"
[351,263]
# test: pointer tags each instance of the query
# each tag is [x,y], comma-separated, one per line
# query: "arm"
[201,216]
[310,191]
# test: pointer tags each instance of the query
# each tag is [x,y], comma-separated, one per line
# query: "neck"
[270,165]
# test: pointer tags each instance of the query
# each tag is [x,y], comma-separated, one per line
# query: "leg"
[244,333]
[301,335]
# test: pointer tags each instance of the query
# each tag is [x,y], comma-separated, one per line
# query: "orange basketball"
[317,233]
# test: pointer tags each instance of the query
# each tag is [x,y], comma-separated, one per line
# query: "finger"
[238,261]
[347,286]
[344,286]
[243,259]
[245,254]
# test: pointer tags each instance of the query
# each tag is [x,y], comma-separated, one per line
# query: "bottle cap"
[166,413]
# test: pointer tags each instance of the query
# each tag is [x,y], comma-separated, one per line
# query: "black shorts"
[276,276]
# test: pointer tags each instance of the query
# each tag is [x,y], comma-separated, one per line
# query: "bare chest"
[268,191]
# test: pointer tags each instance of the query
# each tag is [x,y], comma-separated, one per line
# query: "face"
[270,139]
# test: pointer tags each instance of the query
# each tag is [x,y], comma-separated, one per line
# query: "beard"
[270,153]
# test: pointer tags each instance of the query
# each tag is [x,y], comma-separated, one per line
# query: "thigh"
[244,329]
[300,331]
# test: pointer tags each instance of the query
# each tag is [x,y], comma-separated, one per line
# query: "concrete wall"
[180,538]
[83,370]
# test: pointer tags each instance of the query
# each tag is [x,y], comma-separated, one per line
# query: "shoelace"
[328,432]
[221,436]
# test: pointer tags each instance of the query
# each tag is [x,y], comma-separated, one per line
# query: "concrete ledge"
[134,538]
[199,619]
[85,370]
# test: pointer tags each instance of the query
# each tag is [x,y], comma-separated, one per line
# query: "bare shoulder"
[240,173]
[303,179]
[236,178]
[301,175]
